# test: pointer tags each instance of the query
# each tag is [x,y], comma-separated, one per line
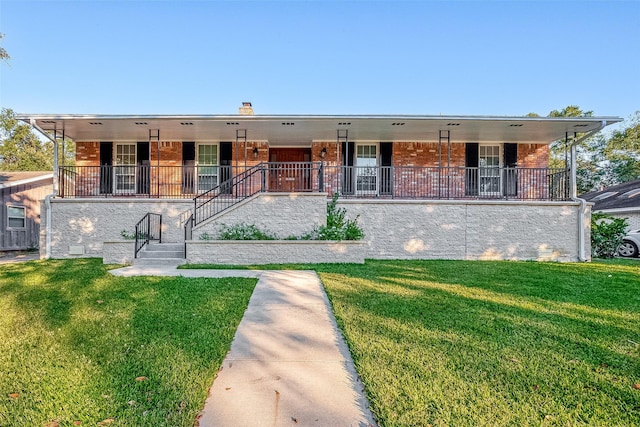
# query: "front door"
[290,169]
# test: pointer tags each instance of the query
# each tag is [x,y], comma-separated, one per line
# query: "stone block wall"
[90,222]
[274,252]
[394,229]
[468,229]
[283,214]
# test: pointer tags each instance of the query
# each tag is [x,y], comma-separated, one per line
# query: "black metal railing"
[188,232]
[219,187]
[179,182]
[148,228]
[413,182]
[229,193]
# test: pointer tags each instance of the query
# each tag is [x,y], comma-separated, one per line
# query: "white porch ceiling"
[294,130]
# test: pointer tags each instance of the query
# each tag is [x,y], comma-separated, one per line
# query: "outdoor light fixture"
[323,152]
[255,152]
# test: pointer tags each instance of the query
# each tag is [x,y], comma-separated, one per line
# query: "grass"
[78,345]
[459,343]
[438,343]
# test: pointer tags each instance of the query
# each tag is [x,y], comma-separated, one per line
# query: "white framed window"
[366,168]
[489,162]
[207,160]
[125,168]
[16,216]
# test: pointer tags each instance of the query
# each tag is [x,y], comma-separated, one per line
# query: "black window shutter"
[510,155]
[510,181]
[348,160]
[106,162]
[471,175]
[348,175]
[386,177]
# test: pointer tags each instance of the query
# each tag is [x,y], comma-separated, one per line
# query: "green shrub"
[338,227]
[244,231]
[607,233]
[132,236]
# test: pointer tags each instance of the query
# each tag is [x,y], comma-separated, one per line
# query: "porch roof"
[293,130]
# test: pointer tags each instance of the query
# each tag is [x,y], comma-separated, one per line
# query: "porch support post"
[241,136]
[342,136]
[154,135]
[44,133]
[444,135]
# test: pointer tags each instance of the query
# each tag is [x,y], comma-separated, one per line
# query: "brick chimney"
[246,109]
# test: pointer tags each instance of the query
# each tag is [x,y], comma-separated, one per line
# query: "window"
[16,217]
[489,164]
[125,170]
[207,166]
[366,168]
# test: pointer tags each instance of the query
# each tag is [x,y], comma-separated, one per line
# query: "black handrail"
[229,193]
[188,232]
[148,228]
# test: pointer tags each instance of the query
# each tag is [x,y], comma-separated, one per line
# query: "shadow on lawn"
[106,331]
[500,326]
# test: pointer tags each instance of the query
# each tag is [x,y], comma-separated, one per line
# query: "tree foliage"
[601,159]
[4,55]
[607,234]
[20,148]
[622,150]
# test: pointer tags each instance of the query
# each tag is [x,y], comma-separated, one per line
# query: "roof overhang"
[14,179]
[302,129]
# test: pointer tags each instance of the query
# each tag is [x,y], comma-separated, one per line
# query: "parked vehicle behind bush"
[630,245]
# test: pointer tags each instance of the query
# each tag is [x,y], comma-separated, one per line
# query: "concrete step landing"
[161,254]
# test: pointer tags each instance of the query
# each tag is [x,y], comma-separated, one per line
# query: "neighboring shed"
[621,201]
[20,195]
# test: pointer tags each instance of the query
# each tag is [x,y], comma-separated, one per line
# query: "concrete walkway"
[18,256]
[288,364]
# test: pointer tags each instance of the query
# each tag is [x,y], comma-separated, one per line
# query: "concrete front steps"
[161,254]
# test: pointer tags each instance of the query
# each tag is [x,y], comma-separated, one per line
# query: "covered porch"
[374,181]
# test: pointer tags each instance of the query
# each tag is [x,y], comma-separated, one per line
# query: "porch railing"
[413,182]
[148,228]
[229,193]
[212,185]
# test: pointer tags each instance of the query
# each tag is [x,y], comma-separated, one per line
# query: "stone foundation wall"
[468,229]
[283,214]
[257,252]
[394,229]
[87,223]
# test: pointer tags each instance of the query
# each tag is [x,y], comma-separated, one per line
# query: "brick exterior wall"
[251,160]
[533,155]
[426,154]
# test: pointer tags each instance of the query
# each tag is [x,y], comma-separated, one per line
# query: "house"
[620,201]
[20,195]
[456,187]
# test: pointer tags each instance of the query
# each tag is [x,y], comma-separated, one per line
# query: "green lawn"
[79,345]
[454,343]
[441,343]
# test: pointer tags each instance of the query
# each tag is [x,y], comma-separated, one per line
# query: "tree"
[4,55]
[558,151]
[20,148]
[622,151]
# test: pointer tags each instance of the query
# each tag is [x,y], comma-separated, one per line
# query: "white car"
[630,244]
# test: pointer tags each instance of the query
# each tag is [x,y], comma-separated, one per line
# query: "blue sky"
[320,57]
